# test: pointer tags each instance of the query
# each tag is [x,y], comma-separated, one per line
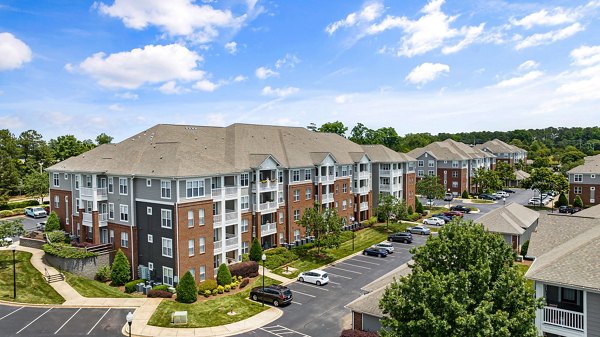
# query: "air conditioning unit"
[143,272]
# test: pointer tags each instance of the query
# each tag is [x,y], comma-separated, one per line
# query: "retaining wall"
[87,267]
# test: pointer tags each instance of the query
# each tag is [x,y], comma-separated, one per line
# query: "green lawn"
[212,312]
[92,288]
[523,269]
[481,201]
[31,286]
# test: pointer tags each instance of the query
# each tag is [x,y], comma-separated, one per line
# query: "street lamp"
[263,257]
[504,200]
[14,249]
[129,319]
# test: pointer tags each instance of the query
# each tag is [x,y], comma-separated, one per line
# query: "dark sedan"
[486,197]
[460,208]
[276,294]
[374,251]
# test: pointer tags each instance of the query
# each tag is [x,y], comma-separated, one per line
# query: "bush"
[209,285]
[243,269]
[578,202]
[220,289]
[66,251]
[413,217]
[130,286]
[410,210]
[358,333]
[245,257]
[465,194]
[162,287]
[207,293]
[18,211]
[5,213]
[418,206]
[227,288]
[103,274]
[524,248]
[562,200]
[19,204]
[57,237]
[186,289]
[223,275]
[233,285]
[215,292]
[160,293]
[278,257]
[244,282]
[256,251]
[120,271]
[52,223]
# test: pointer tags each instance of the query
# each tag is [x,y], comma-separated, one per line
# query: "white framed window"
[190,218]
[123,186]
[202,245]
[124,213]
[344,205]
[280,197]
[150,238]
[245,247]
[344,188]
[201,217]
[244,179]
[577,189]
[148,182]
[150,266]
[337,189]
[296,195]
[124,239]
[245,202]
[578,178]
[76,206]
[307,174]
[420,173]
[430,172]
[430,163]
[194,188]
[167,247]
[165,189]
[280,177]
[244,226]
[280,217]
[168,275]
[421,163]
[337,206]
[202,273]
[191,243]
[455,163]
[111,188]
[281,238]
[148,210]
[454,174]
[296,234]
[166,220]
[455,184]
[66,175]
[295,175]
[55,180]
[111,210]
[308,193]
[56,201]
[111,235]
[296,215]
[592,176]
[77,181]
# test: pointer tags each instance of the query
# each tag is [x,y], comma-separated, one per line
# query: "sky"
[122,66]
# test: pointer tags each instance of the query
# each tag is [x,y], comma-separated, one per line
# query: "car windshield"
[37,209]
[287,292]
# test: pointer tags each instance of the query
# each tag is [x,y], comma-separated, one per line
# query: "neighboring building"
[584,180]
[454,164]
[507,153]
[176,198]
[566,273]
[520,175]
[393,173]
[514,222]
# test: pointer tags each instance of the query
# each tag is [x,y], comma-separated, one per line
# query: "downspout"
[131,227]
[177,231]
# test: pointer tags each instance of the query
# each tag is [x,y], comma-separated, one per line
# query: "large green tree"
[9,229]
[463,283]
[34,152]
[336,127]
[430,187]
[103,138]
[325,225]
[67,146]
[386,205]
[543,179]
[9,162]
[505,172]
[36,184]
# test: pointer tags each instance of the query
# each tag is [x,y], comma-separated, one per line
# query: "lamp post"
[353,240]
[504,200]
[129,319]
[263,257]
[14,249]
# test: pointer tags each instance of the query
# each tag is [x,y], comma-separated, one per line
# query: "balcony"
[218,246]
[384,172]
[564,318]
[268,229]
[231,192]
[87,219]
[384,187]
[267,207]
[364,205]
[327,197]
[217,218]
[88,193]
[231,243]
[217,193]
[231,217]
[326,179]
[364,175]
[267,185]
[362,190]
[102,219]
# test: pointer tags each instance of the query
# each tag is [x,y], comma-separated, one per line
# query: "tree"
[34,151]
[463,283]
[386,206]
[52,223]
[562,200]
[10,229]
[67,146]
[543,179]
[430,187]
[223,275]
[103,138]
[336,127]
[401,211]
[9,162]
[465,194]
[578,202]
[256,251]
[36,184]
[505,172]
[325,226]
[120,270]
[359,134]
[487,180]
[418,206]
[186,289]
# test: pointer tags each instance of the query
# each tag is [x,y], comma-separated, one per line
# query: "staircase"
[53,278]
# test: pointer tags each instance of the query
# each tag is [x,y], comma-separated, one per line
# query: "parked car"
[443,217]
[448,197]
[487,197]
[315,276]
[418,230]
[502,194]
[41,226]
[460,208]
[452,214]
[401,237]
[508,190]
[433,221]
[534,201]
[47,209]
[35,212]
[276,294]
[374,251]
[387,246]
[568,209]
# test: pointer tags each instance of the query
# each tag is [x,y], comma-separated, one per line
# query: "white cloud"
[471,34]
[555,17]
[279,92]
[240,78]
[288,60]
[14,52]
[529,64]
[369,12]
[264,73]
[206,85]
[343,99]
[427,72]
[12,122]
[549,37]
[231,47]
[171,88]
[586,55]
[128,95]
[58,118]
[152,64]
[520,80]
[116,107]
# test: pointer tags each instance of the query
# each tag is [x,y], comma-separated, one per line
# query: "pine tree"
[562,200]
[418,206]
[223,275]
[120,270]
[465,194]
[255,251]
[52,224]
[578,202]
[186,289]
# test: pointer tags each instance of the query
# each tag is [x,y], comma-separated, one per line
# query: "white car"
[434,221]
[534,201]
[502,194]
[387,246]
[315,276]
[35,212]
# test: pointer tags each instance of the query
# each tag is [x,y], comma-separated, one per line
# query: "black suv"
[568,209]
[276,294]
[401,237]
[460,208]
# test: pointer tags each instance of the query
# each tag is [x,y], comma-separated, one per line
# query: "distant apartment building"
[584,181]
[504,152]
[179,198]
[454,164]
[393,173]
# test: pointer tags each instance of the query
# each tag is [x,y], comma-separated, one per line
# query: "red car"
[453,214]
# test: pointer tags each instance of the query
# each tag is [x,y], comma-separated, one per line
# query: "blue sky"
[120,66]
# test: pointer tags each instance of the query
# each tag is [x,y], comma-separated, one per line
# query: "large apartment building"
[454,164]
[176,198]
[584,180]
[504,152]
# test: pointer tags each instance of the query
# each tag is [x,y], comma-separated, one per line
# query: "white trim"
[155,201]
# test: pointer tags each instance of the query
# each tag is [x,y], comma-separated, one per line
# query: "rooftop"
[510,219]
[498,146]
[450,149]
[591,165]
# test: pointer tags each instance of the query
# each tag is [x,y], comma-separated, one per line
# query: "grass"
[212,312]
[481,201]
[31,286]
[523,269]
[91,288]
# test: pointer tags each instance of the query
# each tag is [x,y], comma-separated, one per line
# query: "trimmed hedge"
[187,292]
[103,273]
[278,257]
[358,333]
[243,269]
[162,287]
[244,282]
[66,251]
[159,293]
[5,213]
[209,285]
[223,275]
[19,204]
[130,286]
[57,237]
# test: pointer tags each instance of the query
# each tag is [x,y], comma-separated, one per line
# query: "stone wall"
[31,243]
[87,267]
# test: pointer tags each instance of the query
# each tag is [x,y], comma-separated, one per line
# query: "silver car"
[35,212]
[387,246]
[419,230]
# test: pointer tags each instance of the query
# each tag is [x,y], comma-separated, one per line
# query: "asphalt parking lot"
[40,321]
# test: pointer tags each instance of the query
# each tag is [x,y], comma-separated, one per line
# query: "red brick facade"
[62,209]
[449,173]
[131,243]
[356,320]
[589,193]
[409,189]
[300,205]
[197,231]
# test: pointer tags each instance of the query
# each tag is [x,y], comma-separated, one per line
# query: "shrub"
[207,293]
[524,248]
[18,211]
[103,273]
[255,251]
[562,200]
[279,256]
[57,237]
[220,289]
[253,275]
[358,333]
[227,288]
[410,210]
[240,277]
[19,204]
[52,223]
[245,257]
[578,202]
[215,292]
[130,286]
[186,289]
[465,194]
[243,269]
[163,287]
[233,285]
[5,213]
[244,282]
[223,275]
[66,251]
[209,285]
[120,271]
[418,206]
[160,293]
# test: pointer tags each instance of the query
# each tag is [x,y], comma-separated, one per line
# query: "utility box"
[140,287]
[146,289]
[179,317]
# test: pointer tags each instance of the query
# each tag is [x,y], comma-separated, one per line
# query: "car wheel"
[301,279]
[380,255]
[364,253]
[254,297]
[276,303]
[405,241]
[318,283]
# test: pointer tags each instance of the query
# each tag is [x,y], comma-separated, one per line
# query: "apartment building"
[504,152]
[393,173]
[176,198]
[454,164]
[584,180]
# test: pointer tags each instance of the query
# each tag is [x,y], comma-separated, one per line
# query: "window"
[421,163]
[280,217]
[124,239]
[308,193]
[191,247]
[296,195]
[90,233]
[244,225]
[165,189]
[149,210]
[280,197]
[194,188]
[430,172]
[55,180]
[168,276]
[165,218]
[111,211]
[202,273]
[122,185]
[111,235]
[344,205]
[592,176]
[455,163]
[430,163]
[344,188]
[454,174]
[295,175]
[296,234]
[244,179]
[202,245]
[307,174]
[56,201]
[296,215]
[337,206]
[190,218]
[150,266]
[77,181]
[150,238]
[148,182]
[455,184]
[167,247]
[76,206]
[245,248]
[201,217]
[568,295]
[344,170]
[577,189]
[124,212]
[578,178]
[420,173]
[110,185]
[281,238]
[193,272]
[280,176]
[245,202]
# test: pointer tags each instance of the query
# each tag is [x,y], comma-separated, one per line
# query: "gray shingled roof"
[592,212]
[498,146]
[521,175]
[383,154]
[450,150]
[591,165]
[511,219]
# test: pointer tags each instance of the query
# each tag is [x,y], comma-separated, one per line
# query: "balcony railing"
[364,206]
[87,219]
[217,193]
[268,229]
[231,192]
[231,242]
[384,172]
[218,246]
[231,217]
[217,218]
[384,187]
[362,190]
[564,318]
[327,197]
[267,185]
[103,219]
[88,193]
[270,206]
[327,178]
[364,175]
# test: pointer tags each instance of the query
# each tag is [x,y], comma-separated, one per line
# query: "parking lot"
[39,321]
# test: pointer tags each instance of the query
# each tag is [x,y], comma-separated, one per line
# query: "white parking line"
[312,286]
[65,323]
[280,331]
[334,283]
[354,265]
[367,262]
[305,294]
[98,321]
[3,317]
[296,303]
[350,271]
[40,316]
[336,275]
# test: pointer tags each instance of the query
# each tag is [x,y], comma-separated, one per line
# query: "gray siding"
[593,314]
[182,189]
[375,183]
[152,252]
[121,199]
[370,323]
[587,178]
[63,184]
[153,192]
